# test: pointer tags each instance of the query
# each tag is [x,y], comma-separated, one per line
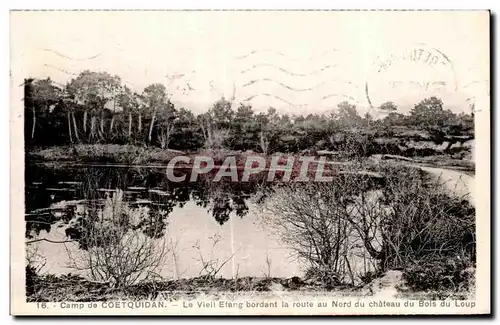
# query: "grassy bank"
[136,155]
[75,288]
[51,288]
[108,153]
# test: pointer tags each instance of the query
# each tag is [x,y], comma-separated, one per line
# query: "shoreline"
[130,156]
[47,288]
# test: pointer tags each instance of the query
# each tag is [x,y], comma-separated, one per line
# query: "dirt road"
[457,182]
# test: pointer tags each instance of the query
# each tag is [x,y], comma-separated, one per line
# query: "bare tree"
[34,260]
[411,218]
[313,219]
[264,142]
[119,250]
[395,220]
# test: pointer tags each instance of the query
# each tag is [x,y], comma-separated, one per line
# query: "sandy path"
[457,182]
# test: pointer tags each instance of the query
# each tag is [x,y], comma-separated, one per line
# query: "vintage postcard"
[250,162]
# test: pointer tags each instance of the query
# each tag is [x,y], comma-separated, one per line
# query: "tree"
[130,104]
[69,105]
[428,113]
[388,107]
[222,114]
[166,124]
[155,98]
[186,131]
[393,119]
[216,123]
[347,115]
[80,110]
[93,90]
[313,219]
[114,91]
[41,95]
[271,126]
[142,108]
[29,102]
[244,129]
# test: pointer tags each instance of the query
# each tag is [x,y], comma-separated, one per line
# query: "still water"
[202,221]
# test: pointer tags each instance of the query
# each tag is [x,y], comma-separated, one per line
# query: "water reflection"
[62,202]
[90,185]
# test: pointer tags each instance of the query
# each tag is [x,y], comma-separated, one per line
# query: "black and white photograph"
[250,162]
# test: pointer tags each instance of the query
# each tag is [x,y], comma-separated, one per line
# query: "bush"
[451,274]
[121,245]
[421,219]
[34,264]
[315,220]
[403,220]
[324,275]
[31,280]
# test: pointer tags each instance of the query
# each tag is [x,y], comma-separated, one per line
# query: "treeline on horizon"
[95,107]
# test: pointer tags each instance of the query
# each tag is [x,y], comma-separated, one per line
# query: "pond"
[225,224]
[219,223]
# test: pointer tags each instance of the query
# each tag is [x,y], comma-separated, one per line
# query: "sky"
[298,62]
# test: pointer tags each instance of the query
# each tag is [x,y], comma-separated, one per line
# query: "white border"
[188,4]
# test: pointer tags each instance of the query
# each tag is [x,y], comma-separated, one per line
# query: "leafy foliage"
[95,107]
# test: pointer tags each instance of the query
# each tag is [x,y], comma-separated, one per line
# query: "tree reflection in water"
[85,189]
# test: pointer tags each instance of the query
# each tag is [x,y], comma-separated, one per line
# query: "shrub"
[315,220]
[421,219]
[450,273]
[399,222]
[121,245]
